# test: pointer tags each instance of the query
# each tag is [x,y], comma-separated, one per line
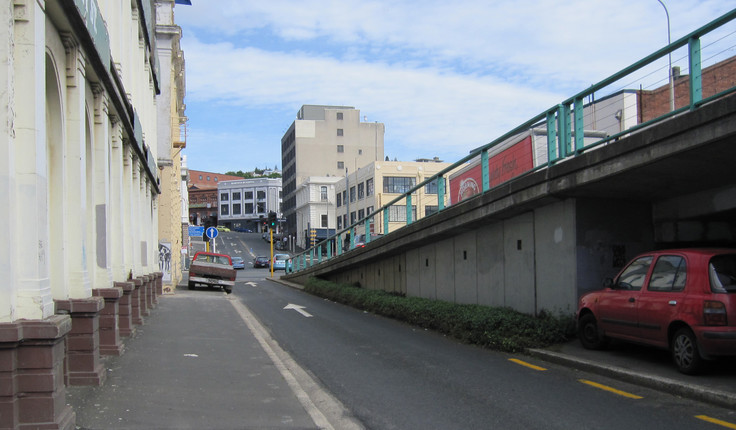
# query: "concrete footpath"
[201,360]
[196,363]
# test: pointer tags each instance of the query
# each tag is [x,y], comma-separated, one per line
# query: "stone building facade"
[81,191]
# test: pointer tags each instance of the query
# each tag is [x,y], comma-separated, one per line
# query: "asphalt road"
[393,376]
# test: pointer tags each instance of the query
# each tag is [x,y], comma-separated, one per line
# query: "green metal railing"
[565,128]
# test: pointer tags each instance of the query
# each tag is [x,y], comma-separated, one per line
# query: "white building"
[245,204]
[80,190]
[315,209]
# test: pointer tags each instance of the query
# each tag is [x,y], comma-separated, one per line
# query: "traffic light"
[272,219]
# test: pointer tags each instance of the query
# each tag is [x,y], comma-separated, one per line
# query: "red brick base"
[110,343]
[32,390]
[125,309]
[83,365]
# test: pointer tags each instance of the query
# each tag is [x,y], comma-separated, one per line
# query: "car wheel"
[589,334]
[685,352]
[191,285]
[228,290]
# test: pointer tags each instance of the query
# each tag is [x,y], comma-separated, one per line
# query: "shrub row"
[501,329]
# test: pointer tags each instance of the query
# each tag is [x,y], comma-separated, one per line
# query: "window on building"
[208,178]
[236,196]
[223,197]
[215,178]
[261,207]
[361,191]
[352,217]
[323,193]
[224,210]
[369,187]
[431,187]
[397,213]
[248,208]
[339,132]
[340,148]
[261,194]
[361,213]
[248,195]
[324,221]
[340,165]
[339,116]
[368,210]
[339,223]
[430,209]
[236,208]
[200,177]
[352,194]
[339,199]
[397,184]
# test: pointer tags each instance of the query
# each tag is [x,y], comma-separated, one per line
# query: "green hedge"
[501,329]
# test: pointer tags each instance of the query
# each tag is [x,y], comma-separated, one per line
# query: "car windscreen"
[722,270]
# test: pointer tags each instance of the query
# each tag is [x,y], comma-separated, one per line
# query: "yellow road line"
[610,389]
[716,421]
[524,363]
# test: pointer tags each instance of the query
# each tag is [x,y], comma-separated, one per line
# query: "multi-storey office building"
[325,141]
[380,182]
[245,203]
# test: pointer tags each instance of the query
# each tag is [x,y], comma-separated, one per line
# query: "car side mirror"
[608,283]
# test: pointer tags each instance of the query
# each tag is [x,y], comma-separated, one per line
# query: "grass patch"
[501,329]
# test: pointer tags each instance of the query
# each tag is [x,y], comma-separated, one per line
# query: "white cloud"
[443,77]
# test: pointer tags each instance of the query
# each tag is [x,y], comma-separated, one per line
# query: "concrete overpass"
[538,241]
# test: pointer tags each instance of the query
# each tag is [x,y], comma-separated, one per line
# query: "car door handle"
[672,302]
[632,300]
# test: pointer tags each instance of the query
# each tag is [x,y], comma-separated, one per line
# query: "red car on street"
[680,299]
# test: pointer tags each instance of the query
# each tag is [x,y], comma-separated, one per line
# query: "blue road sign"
[196,231]
[212,232]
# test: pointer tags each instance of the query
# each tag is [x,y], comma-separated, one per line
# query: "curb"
[670,386]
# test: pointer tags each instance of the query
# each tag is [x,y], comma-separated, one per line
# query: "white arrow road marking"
[299,309]
[251,284]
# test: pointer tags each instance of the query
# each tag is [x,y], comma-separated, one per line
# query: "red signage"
[507,164]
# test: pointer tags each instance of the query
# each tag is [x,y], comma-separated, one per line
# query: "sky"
[444,77]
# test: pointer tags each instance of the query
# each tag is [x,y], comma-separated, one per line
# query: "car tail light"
[714,313]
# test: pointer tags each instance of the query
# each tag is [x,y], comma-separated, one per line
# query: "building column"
[125,309]
[83,365]
[110,343]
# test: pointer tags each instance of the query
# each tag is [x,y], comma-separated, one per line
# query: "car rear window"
[722,270]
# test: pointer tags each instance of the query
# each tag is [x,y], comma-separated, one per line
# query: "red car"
[681,299]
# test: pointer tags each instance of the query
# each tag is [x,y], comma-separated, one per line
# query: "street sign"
[196,231]
[212,232]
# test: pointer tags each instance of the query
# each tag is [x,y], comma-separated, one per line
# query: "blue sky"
[444,77]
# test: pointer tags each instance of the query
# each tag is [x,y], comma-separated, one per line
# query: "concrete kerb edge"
[693,392]
[286,283]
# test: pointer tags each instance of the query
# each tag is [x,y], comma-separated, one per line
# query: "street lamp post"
[669,56]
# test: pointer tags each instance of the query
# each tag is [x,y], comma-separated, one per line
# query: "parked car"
[261,261]
[238,263]
[683,300]
[213,270]
[222,228]
[279,261]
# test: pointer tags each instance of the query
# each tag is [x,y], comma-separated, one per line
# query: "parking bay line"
[529,365]
[610,389]
[716,421]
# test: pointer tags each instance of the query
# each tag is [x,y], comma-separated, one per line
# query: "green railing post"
[440,193]
[563,126]
[311,257]
[338,249]
[408,209]
[385,220]
[319,254]
[696,79]
[484,170]
[579,125]
[367,230]
[551,137]
[329,248]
